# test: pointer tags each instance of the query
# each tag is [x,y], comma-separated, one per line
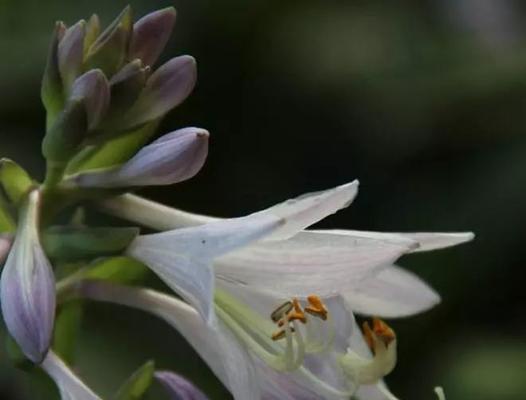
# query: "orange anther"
[280,334]
[368,335]
[383,331]
[316,307]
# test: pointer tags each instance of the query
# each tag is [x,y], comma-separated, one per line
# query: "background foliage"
[423,101]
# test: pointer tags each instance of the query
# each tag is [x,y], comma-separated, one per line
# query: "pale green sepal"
[116,269]
[67,328]
[137,384]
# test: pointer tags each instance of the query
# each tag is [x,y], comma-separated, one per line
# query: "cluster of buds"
[99,86]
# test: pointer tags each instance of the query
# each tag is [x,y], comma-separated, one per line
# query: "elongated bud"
[69,385]
[126,86]
[168,87]
[110,49]
[67,133]
[28,287]
[172,158]
[15,181]
[94,90]
[71,52]
[178,387]
[52,89]
[150,35]
[92,32]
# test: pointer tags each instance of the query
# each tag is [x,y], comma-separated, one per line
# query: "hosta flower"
[69,385]
[172,158]
[178,387]
[322,358]
[288,260]
[28,286]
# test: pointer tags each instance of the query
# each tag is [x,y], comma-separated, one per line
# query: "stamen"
[383,331]
[282,310]
[281,334]
[316,307]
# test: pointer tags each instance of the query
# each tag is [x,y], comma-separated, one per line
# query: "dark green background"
[423,101]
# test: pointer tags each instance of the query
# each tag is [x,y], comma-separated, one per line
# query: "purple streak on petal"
[150,35]
[178,387]
[166,88]
[27,290]
[94,88]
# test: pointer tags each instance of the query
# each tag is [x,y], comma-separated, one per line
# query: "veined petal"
[229,361]
[182,258]
[173,158]
[296,214]
[392,292]
[28,287]
[322,262]
[69,385]
[178,387]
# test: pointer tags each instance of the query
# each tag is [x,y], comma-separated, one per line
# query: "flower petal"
[436,240]
[377,391]
[179,388]
[321,262]
[69,385]
[392,292]
[28,287]
[229,361]
[182,258]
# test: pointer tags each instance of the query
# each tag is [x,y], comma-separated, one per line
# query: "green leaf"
[137,385]
[67,327]
[114,152]
[15,180]
[68,243]
[122,270]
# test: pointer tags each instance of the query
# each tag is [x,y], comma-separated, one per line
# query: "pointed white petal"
[303,211]
[321,262]
[69,385]
[436,240]
[297,213]
[392,292]
[182,258]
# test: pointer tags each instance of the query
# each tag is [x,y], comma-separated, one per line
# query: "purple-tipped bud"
[71,52]
[173,158]
[179,388]
[28,287]
[93,88]
[168,87]
[110,50]
[150,35]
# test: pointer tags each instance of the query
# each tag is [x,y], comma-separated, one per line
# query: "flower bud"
[92,32]
[52,92]
[94,90]
[150,35]
[67,132]
[126,85]
[172,158]
[110,49]
[71,52]
[165,89]
[27,287]
[179,388]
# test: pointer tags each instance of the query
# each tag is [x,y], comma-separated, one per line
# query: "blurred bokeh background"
[423,101]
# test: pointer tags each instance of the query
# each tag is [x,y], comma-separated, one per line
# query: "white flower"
[321,359]
[287,260]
